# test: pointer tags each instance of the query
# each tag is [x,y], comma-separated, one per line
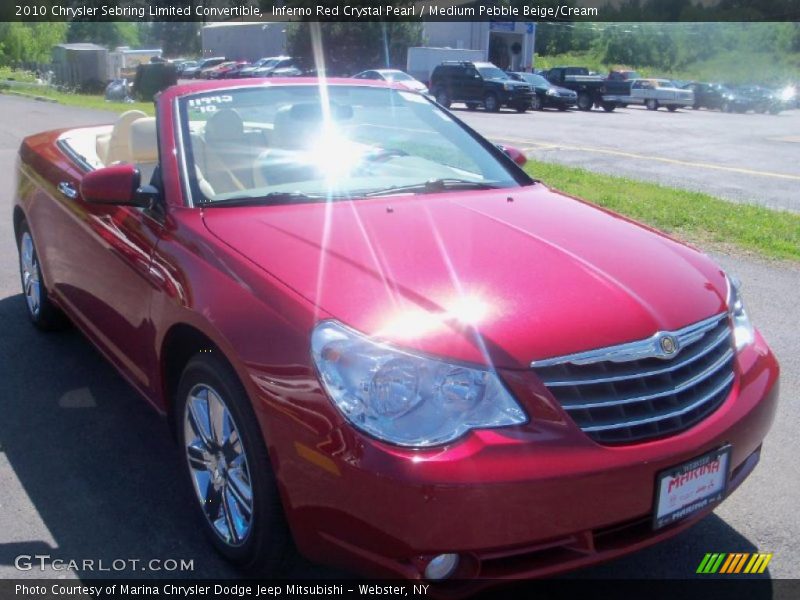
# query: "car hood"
[506,276]
[513,82]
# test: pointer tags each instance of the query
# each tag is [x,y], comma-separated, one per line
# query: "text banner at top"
[409,10]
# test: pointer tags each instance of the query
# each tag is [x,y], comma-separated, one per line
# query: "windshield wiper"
[435,185]
[265,199]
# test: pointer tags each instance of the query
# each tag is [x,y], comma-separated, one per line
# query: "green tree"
[175,38]
[104,33]
[27,44]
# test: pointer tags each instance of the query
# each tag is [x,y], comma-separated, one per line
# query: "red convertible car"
[378,337]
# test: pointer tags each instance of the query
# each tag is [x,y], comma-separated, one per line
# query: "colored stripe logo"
[733,563]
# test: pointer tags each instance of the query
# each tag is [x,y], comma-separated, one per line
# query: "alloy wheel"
[29,267]
[218,465]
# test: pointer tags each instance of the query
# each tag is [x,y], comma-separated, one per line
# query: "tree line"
[668,46]
[31,44]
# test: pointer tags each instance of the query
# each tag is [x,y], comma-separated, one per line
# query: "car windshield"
[305,142]
[492,72]
[397,76]
[535,79]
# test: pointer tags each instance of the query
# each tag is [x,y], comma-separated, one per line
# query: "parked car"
[276,62]
[287,72]
[545,94]
[251,68]
[393,76]
[708,95]
[760,99]
[589,88]
[184,65]
[208,63]
[372,331]
[476,84]
[219,71]
[233,72]
[654,93]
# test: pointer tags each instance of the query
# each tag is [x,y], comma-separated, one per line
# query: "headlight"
[551,92]
[508,86]
[406,399]
[743,332]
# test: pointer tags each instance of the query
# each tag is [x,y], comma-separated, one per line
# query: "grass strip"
[693,216]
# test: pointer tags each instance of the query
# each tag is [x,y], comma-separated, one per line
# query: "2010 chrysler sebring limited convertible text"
[377,336]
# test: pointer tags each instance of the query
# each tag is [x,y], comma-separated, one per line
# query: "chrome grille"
[639,391]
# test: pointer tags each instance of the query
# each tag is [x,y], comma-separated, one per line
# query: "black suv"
[476,83]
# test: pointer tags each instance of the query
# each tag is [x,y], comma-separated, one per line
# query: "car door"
[472,84]
[638,91]
[100,269]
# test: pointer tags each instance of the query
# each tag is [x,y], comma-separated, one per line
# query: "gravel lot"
[88,471]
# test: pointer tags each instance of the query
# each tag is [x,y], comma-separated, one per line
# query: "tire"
[608,106]
[651,104]
[520,108]
[41,311]
[491,103]
[262,544]
[584,101]
[695,106]
[563,108]
[774,110]
[673,108]
[726,107]
[472,105]
[443,98]
[536,103]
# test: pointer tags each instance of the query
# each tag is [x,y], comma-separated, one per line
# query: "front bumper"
[560,101]
[511,502]
[516,98]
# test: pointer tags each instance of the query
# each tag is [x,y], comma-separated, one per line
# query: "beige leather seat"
[225,155]
[113,147]
[143,147]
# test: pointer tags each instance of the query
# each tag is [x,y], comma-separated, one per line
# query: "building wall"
[457,34]
[244,41]
[477,36]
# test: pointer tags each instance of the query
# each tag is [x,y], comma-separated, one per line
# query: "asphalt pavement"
[89,472]
[749,158]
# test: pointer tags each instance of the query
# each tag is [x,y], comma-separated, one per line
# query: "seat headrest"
[128,117]
[224,125]
[143,141]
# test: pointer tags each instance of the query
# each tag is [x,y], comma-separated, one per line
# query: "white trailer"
[421,60]
[124,60]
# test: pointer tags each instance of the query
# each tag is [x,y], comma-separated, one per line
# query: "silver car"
[654,93]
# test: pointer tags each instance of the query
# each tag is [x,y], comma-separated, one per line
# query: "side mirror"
[515,154]
[116,185]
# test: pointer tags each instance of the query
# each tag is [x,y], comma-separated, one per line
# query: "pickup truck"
[591,89]
[653,93]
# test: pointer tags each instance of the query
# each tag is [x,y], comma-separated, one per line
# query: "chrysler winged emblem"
[668,345]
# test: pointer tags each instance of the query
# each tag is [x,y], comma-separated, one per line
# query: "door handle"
[66,189]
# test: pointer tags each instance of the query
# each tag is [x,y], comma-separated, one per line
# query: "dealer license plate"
[684,489]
